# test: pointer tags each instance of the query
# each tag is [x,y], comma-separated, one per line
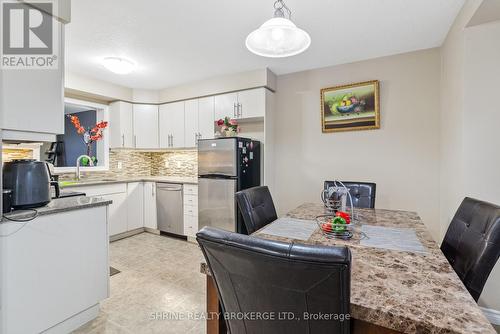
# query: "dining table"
[393,290]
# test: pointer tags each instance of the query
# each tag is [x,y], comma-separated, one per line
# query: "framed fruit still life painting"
[350,107]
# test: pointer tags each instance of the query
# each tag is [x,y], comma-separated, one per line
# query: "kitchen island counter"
[58,205]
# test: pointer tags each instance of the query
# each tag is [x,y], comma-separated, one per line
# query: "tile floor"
[158,274]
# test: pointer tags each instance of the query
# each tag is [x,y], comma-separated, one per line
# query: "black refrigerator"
[225,166]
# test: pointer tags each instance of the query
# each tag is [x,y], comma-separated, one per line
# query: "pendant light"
[278,37]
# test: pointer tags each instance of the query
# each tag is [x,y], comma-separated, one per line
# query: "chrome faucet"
[91,163]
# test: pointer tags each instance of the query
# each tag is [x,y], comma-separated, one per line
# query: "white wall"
[145,96]
[218,85]
[77,84]
[452,93]
[469,122]
[402,157]
[481,131]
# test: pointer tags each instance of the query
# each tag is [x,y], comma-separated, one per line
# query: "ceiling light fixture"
[278,37]
[118,65]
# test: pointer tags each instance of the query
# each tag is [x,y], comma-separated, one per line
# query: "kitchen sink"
[67,183]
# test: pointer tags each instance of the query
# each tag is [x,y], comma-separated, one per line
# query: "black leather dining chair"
[277,280]
[472,243]
[362,193]
[257,207]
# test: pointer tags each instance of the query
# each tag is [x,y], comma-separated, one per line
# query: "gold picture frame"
[350,107]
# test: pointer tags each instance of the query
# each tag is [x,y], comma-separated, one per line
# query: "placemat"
[291,228]
[399,239]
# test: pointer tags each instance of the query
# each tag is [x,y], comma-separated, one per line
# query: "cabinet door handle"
[123,140]
[135,141]
[171,140]
[240,110]
[234,110]
[196,139]
[168,144]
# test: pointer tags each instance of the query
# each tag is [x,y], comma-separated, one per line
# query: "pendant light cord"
[281,10]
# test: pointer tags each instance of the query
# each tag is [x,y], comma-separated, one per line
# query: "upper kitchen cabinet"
[206,117]
[225,105]
[191,123]
[199,120]
[241,105]
[121,129]
[171,125]
[32,100]
[251,103]
[145,119]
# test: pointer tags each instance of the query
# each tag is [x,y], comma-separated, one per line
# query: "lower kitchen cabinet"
[190,210]
[117,213]
[150,220]
[135,206]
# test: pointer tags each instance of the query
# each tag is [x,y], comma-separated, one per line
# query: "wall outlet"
[166,163]
[120,165]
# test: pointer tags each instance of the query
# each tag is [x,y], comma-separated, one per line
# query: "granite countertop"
[105,180]
[403,291]
[59,205]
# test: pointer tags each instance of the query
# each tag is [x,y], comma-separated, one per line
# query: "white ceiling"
[178,41]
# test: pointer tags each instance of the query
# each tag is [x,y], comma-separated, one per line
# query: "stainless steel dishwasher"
[169,208]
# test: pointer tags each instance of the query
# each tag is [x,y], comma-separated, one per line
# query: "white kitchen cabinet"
[191,123]
[206,118]
[199,120]
[145,126]
[121,125]
[190,210]
[244,104]
[117,213]
[251,103]
[116,192]
[171,125]
[32,101]
[150,220]
[225,105]
[135,206]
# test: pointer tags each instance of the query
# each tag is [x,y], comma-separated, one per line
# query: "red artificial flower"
[220,122]
[102,125]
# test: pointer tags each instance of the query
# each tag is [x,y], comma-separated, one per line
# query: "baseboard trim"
[492,315]
[126,234]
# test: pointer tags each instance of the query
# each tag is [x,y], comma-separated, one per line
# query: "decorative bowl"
[340,231]
[347,109]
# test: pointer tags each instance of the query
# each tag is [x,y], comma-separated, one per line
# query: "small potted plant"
[228,127]
[89,136]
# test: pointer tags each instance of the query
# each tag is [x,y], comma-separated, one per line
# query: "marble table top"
[404,291]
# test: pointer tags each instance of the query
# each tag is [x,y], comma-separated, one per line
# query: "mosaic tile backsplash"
[139,163]
[9,154]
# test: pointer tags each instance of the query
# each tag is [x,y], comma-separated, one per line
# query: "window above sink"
[86,132]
